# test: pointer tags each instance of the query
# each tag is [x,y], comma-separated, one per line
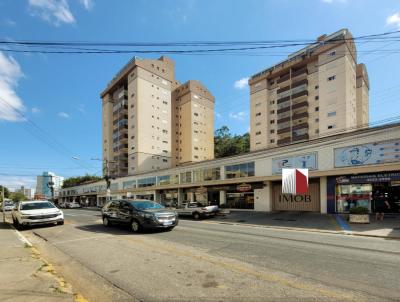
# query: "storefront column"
[262,198]
[180,196]
[157,196]
[191,196]
[323,194]
[222,198]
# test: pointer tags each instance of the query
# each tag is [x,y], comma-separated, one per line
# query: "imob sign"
[295,181]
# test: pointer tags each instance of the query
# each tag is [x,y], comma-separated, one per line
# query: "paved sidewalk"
[24,275]
[389,228]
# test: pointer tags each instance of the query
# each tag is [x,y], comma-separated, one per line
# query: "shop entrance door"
[389,191]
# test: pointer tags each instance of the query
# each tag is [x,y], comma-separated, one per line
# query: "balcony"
[299,72]
[299,83]
[300,126]
[300,137]
[299,115]
[284,140]
[284,130]
[283,89]
[285,109]
[299,105]
[283,78]
[283,120]
[299,94]
[282,100]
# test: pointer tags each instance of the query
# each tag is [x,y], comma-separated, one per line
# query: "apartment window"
[164,102]
[258,143]
[258,124]
[333,113]
[165,142]
[196,114]
[195,131]
[317,120]
[196,148]
[240,170]
[196,156]
[258,104]
[258,113]
[316,97]
[272,102]
[165,160]
[272,122]
[316,108]
[316,131]
[258,132]
[331,126]
[316,86]
[272,112]
[332,53]
[272,141]
[165,151]
[165,131]
[331,78]
[272,131]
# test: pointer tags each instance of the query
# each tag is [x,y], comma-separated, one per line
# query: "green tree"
[80,180]
[227,145]
[6,192]
[17,196]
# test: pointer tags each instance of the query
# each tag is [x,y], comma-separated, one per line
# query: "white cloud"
[237,116]
[394,19]
[35,110]
[217,114]
[242,83]
[63,115]
[81,108]
[52,11]
[14,182]
[10,22]
[10,73]
[88,4]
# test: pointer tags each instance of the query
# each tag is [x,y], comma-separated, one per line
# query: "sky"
[58,128]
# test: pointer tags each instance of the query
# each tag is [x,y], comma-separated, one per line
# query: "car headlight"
[146,215]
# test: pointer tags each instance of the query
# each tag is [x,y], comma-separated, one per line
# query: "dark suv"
[139,214]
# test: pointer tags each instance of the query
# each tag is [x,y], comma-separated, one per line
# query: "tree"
[17,196]
[6,192]
[226,145]
[80,180]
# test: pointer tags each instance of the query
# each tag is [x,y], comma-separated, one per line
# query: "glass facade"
[186,177]
[353,195]
[168,180]
[146,182]
[207,174]
[241,170]
[130,184]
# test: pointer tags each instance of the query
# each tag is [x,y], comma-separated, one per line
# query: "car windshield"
[36,206]
[144,205]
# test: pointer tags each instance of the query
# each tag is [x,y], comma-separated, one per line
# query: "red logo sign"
[295,181]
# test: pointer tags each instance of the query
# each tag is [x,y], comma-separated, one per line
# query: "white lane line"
[22,238]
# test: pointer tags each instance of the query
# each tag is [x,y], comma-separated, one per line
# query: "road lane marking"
[341,295]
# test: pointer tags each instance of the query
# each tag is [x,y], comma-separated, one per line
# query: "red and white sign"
[295,181]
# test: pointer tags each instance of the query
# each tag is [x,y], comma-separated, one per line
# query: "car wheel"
[169,229]
[106,222]
[14,222]
[135,226]
[18,226]
[196,216]
[60,222]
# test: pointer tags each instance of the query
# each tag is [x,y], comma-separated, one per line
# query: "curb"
[343,232]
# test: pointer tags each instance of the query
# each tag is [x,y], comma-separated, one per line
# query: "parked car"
[8,205]
[71,205]
[139,214]
[196,210]
[36,212]
[62,204]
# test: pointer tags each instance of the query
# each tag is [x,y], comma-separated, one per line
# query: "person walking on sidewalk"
[382,206]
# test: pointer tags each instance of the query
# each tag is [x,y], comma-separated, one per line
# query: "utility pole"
[3,204]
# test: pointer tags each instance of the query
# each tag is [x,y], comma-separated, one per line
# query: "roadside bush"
[359,210]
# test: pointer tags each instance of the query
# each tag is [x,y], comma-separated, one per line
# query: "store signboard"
[307,161]
[368,154]
[368,178]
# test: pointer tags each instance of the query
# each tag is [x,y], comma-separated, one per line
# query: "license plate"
[168,223]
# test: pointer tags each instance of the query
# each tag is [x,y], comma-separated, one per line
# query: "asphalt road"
[203,260]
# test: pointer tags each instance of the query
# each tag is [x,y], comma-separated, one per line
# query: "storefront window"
[353,195]
[240,200]
[186,177]
[114,187]
[242,170]
[168,179]
[130,184]
[146,182]
[206,174]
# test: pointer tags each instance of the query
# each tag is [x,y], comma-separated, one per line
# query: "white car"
[8,206]
[36,212]
[71,205]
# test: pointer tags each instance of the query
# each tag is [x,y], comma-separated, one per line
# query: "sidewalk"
[389,228]
[24,275]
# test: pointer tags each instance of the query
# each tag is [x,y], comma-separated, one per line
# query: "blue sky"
[60,93]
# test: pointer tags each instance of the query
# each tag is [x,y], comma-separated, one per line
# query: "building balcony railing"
[283,78]
[283,120]
[299,115]
[299,105]
[284,130]
[299,94]
[300,126]
[283,89]
[285,109]
[284,140]
[299,72]
[299,83]
[282,100]
[300,137]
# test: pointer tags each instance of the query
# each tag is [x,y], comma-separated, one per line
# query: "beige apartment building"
[140,115]
[319,90]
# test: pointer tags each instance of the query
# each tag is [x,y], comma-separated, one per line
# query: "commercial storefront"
[303,203]
[365,190]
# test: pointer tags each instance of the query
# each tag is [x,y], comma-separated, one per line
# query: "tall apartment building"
[42,184]
[318,91]
[139,119]
[27,192]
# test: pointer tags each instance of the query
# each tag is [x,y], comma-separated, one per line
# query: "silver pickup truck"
[196,210]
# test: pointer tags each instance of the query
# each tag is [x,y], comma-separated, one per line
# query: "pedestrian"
[381,207]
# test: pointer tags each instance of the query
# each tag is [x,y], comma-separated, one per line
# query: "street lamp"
[107,176]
